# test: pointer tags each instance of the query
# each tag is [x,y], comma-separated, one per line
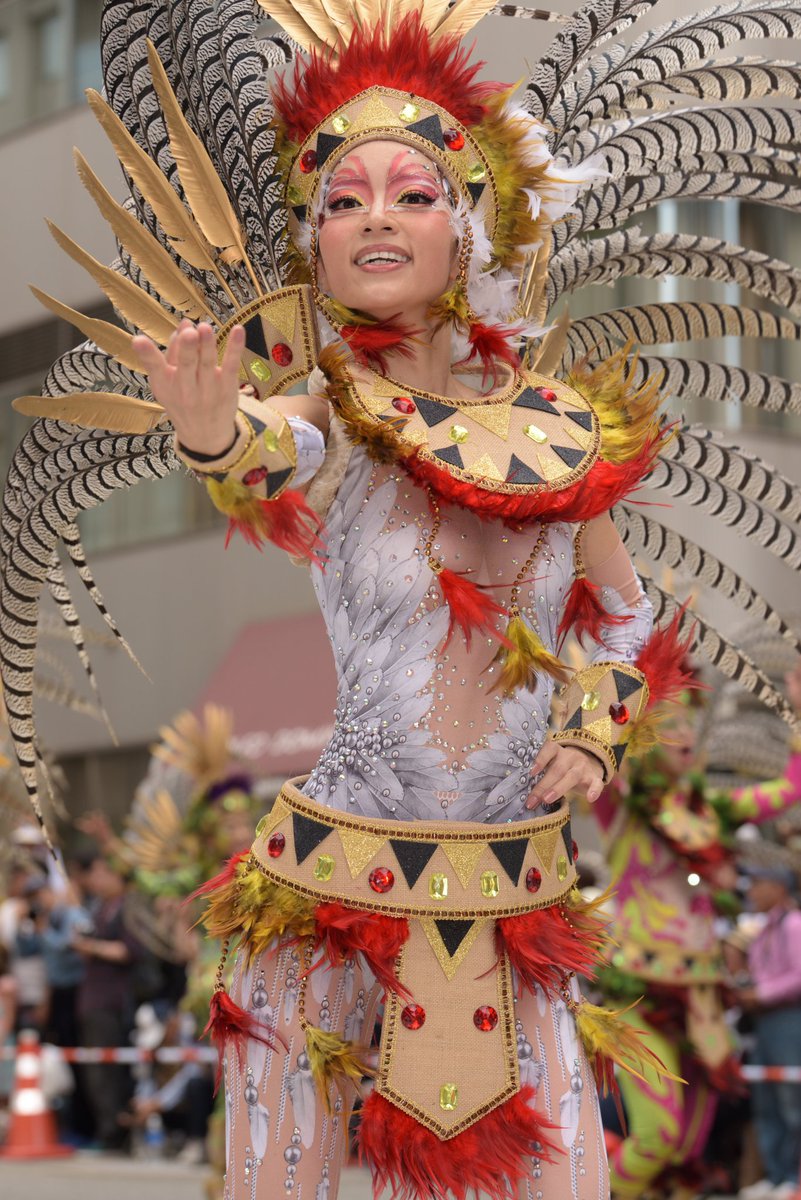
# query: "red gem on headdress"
[453,139]
[547,394]
[575,850]
[255,476]
[276,844]
[404,405]
[381,879]
[485,1018]
[413,1016]
[533,879]
[282,354]
[308,162]
[619,713]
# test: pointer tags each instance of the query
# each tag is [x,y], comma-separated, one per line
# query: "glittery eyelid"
[418,191]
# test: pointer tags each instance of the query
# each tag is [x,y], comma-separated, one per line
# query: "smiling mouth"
[373,258]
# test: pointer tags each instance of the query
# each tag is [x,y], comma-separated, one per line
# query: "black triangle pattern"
[568,455]
[618,752]
[510,855]
[300,211]
[520,472]
[276,480]
[254,337]
[567,838]
[575,721]
[453,933]
[625,684]
[308,835]
[413,857]
[530,399]
[432,411]
[430,129]
[327,143]
[450,455]
[476,190]
[584,419]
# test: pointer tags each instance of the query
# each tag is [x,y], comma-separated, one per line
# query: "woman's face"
[386,245]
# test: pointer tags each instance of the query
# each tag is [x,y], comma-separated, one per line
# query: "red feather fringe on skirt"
[544,945]
[376,936]
[493,1156]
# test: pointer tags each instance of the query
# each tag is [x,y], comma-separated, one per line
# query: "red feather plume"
[493,1156]
[287,522]
[376,936]
[371,343]
[229,1024]
[664,662]
[584,615]
[471,609]
[408,60]
[225,877]
[547,943]
[491,343]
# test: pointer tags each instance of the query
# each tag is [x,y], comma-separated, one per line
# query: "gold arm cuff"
[602,704]
[226,462]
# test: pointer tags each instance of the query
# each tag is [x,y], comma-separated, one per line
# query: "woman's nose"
[377,218]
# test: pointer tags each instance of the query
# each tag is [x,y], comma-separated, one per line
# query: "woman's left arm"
[606,603]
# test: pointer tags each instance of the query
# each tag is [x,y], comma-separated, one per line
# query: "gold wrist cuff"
[602,704]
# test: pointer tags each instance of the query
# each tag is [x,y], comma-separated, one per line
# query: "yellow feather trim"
[333,1061]
[452,307]
[95,410]
[603,1032]
[527,655]
[258,910]
[629,415]
[237,501]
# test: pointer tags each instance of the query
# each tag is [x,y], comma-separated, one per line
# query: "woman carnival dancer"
[448,474]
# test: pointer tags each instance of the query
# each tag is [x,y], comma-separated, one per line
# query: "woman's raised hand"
[565,769]
[199,395]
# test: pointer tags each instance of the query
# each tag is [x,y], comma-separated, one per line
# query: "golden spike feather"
[549,356]
[199,748]
[523,658]
[172,284]
[141,309]
[94,410]
[204,190]
[314,13]
[340,14]
[114,341]
[461,18]
[603,1031]
[285,14]
[173,216]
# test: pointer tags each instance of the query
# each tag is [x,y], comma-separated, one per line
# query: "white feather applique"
[304,1098]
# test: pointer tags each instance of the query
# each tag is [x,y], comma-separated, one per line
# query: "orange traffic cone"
[32,1131]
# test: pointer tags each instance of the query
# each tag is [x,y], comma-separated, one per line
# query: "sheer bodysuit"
[419,733]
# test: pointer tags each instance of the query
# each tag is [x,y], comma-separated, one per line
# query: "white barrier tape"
[123,1054]
[756,1074]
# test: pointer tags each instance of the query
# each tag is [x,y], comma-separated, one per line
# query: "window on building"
[5,67]
[87,71]
[48,62]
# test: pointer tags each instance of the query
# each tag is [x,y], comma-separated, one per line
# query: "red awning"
[278,679]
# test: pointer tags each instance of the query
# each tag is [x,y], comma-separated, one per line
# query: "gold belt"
[448,1055]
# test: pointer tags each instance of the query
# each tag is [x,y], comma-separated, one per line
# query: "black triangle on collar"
[276,479]
[510,855]
[567,838]
[584,419]
[413,857]
[308,835]
[476,190]
[453,933]
[520,472]
[569,455]
[450,455]
[433,411]
[530,398]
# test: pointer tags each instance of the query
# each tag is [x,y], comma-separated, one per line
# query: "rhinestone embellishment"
[381,879]
[409,112]
[276,844]
[590,701]
[533,879]
[619,713]
[341,124]
[458,434]
[535,433]
[485,1018]
[489,884]
[438,887]
[324,868]
[448,1096]
[413,1016]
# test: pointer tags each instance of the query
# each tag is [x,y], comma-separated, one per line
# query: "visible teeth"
[384,256]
